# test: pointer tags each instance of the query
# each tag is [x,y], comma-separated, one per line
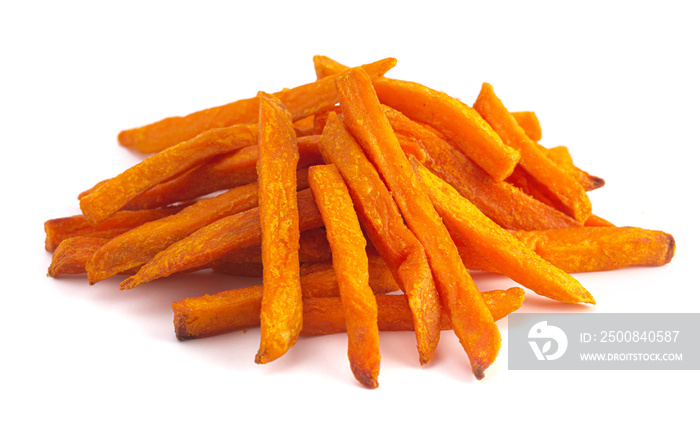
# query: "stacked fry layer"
[363,203]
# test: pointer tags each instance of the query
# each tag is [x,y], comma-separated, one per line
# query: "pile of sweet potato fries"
[362,202]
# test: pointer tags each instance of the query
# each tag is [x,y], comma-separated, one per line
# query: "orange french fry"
[323,315]
[381,278]
[301,101]
[106,199]
[304,126]
[313,248]
[351,268]
[530,124]
[408,145]
[72,253]
[221,173]
[136,247]
[497,246]
[386,230]
[247,269]
[502,202]
[281,310]
[211,242]
[459,122]
[472,135]
[565,190]
[58,229]
[471,320]
[597,221]
[321,274]
[522,179]
[561,157]
[589,249]
[325,66]
[231,310]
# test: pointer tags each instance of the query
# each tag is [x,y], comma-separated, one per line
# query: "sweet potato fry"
[565,190]
[499,200]
[301,101]
[281,310]
[139,245]
[304,126]
[221,173]
[459,122]
[561,157]
[231,310]
[597,221]
[325,66]
[313,248]
[500,248]
[216,239]
[448,115]
[381,278]
[522,179]
[351,270]
[58,229]
[243,262]
[323,315]
[587,249]
[471,320]
[247,269]
[530,124]
[385,228]
[72,253]
[105,200]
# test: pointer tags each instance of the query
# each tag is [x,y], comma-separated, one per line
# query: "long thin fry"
[71,254]
[587,249]
[105,200]
[58,229]
[281,311]
[565,189]
[224,172]
[313,248]
[301,101]
[385,228]
[322,315]
[459,122]
[139,245]
[530,124]
[231,310]
[499,247]
[597,221]
[381,279]
[351,269]
[562,158]
[216,239]
[502,202]
[471,320]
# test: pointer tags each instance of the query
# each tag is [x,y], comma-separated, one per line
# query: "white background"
[616,82]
